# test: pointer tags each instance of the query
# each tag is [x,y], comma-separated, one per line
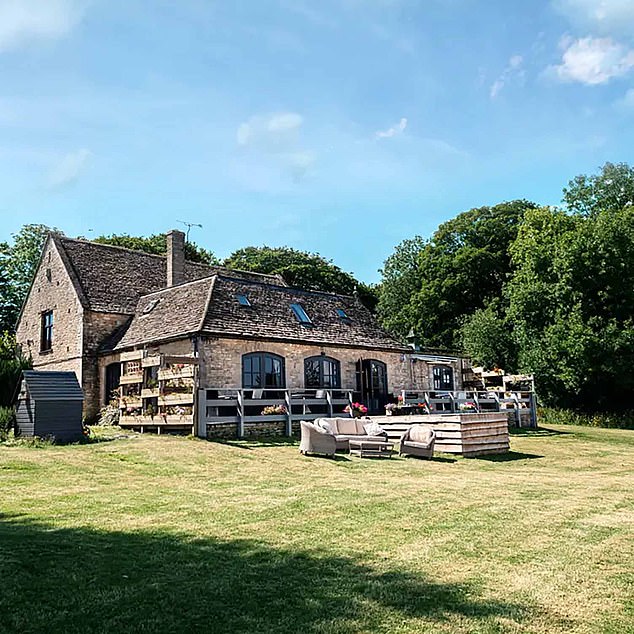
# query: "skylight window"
[300,313]
[341,313]
[150,307]
[243,300]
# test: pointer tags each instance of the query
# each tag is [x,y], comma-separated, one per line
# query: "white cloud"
[273,131]
[395,130]
[627,101]
[605,16]
[272,145]
[286,121]
[67,171]
[24,20]
[593,61]
[513,69]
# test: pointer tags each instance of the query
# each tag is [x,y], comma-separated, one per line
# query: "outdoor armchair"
[316,440]
[418,440]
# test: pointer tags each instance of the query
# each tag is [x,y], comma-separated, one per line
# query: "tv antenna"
[189,225]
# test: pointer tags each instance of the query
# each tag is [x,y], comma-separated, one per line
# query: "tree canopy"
[571,306]
[431,286]
[612,189]
[18,262]
[310,271]
[157,245]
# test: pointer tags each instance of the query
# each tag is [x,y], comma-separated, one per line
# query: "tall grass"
[555,416]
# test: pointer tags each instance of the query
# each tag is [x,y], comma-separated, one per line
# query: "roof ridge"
[178,286]
[302,291]
[164,257]
[208,302]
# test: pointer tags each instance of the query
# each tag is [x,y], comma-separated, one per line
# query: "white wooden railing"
[236,405]
[441,401]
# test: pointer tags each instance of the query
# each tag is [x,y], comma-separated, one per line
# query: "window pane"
[262,370]
[300,313]
[311,373]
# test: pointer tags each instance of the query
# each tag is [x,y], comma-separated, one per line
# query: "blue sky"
[340,126]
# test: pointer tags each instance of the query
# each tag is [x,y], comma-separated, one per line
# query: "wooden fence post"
[202,413]
[240,414]
[289,413]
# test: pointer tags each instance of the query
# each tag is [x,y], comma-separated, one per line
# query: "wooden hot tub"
[466,434]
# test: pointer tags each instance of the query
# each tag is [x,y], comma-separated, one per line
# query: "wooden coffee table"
[371,448]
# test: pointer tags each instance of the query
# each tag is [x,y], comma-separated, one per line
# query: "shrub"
[7,421]
[554,416]
[109,415]
[11,365]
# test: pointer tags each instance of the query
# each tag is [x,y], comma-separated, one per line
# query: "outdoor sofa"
[418,440]
[345,429]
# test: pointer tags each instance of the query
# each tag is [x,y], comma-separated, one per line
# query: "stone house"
[160,330]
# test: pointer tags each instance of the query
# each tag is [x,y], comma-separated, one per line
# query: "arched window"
[322,372]
[262,370]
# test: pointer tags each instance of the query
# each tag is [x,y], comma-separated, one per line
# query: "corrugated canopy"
[53,386]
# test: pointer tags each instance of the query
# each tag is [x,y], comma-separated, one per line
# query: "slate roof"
[209,306]
[112,279]
[168,314]
[53,386]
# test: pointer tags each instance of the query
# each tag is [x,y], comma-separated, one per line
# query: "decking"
[469,435]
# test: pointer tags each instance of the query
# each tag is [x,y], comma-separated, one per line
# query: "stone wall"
[221,364]
[222,431]
[97,328]
[53,289]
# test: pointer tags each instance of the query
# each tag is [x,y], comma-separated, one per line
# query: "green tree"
[571,304]
[12,362]
[401,280]
[157,245]
[18,262]
[486,337]
[612,189]
[430,287]
[305,270]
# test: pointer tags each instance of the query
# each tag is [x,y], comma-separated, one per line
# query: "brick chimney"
[175,257]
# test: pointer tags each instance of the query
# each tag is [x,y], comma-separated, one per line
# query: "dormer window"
[341,313]
[301,314]
[243,300]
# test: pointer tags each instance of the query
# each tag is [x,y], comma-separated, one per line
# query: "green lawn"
[159,533]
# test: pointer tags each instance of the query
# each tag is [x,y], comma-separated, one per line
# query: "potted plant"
[274,410]
[356,410]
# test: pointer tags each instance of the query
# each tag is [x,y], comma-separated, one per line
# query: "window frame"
[439,378]
[262,357]
[242,299]
[300,314]
[323,359]
[46,330]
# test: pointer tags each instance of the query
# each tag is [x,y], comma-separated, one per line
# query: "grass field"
[167,534]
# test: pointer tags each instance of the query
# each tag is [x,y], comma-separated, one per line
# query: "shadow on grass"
[436,458]
[537,433]
[81,580]
[255,442]
[510,456]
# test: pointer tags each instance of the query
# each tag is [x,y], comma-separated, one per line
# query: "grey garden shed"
[50,405]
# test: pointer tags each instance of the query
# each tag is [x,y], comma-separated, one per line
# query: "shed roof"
[53,386]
